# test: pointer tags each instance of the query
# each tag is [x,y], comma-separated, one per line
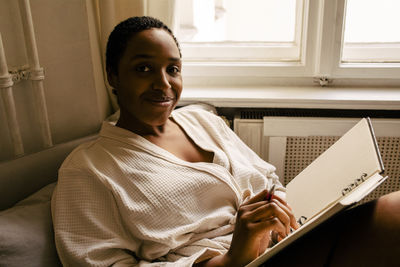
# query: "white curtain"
[111,12]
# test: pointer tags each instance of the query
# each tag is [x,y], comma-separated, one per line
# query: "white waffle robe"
[122,200]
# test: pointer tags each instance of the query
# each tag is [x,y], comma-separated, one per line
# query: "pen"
[270,193]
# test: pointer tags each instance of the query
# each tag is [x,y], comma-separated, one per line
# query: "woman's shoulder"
[200,120]
[197,111]
[79,155]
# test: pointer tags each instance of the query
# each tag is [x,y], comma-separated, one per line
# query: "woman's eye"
[174,69]
[143,68]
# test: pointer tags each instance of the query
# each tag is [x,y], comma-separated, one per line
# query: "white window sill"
[294,97]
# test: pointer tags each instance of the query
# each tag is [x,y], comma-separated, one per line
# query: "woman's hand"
[256,218]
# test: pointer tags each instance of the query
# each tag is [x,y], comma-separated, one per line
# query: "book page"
[347,163]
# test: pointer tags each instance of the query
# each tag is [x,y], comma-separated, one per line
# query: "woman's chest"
[177,199]
[179,143]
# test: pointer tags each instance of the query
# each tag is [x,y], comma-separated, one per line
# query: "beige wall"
[68,50]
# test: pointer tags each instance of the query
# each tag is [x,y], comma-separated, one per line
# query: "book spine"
[354,184]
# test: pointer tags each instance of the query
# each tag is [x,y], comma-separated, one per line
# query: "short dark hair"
[119,37]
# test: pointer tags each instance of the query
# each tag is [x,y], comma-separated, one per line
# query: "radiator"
[292,143]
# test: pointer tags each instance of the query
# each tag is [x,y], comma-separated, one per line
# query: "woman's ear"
[112,78]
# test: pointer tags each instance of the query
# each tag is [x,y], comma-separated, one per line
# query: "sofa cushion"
[26,236]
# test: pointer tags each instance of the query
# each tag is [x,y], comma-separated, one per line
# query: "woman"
[166,187]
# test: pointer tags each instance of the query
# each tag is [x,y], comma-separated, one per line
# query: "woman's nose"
[161,81]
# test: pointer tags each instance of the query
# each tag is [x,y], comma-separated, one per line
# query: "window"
[371,31]
[290,41]
[251,30]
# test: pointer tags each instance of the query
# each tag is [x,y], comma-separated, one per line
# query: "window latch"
[322,80]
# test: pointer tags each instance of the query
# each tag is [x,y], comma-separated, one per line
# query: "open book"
[340,177]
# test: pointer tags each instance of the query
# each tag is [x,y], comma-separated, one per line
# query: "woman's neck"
[134,125]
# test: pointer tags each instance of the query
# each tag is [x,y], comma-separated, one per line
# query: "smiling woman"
[148,83]
[184,166]
[147,80]
[166,187]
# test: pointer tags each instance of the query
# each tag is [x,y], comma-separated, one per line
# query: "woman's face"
[149,81]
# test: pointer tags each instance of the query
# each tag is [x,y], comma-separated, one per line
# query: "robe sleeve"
[89,231]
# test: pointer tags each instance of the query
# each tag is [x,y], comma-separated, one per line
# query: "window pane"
[372,21]
[371,31]
[237,20]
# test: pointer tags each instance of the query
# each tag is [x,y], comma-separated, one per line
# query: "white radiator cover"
[292,143]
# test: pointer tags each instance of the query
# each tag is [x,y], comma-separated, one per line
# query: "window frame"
[366,52]
[253,68]
[320,57]
[247,51]
[333,65]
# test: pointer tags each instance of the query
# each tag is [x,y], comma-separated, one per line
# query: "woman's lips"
[160,101]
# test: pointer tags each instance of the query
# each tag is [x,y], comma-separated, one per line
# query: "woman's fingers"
[272,209]
[254,214]
[280,200]
[259,215]
[288,210]
[257,198]
[261,196]
[256,218]
[262,210]
[271,224]
[284,205]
